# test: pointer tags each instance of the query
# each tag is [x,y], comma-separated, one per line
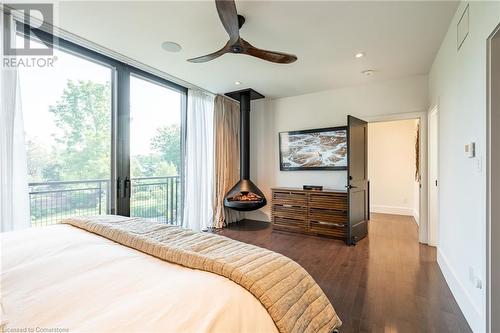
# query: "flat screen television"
[314,149]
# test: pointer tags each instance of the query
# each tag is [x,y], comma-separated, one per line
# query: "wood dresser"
[311,212]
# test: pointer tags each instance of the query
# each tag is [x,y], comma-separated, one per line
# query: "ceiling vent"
[463,28]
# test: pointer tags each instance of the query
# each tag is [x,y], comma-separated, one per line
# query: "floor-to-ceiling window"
[101,137]
[67,122]
[155,150]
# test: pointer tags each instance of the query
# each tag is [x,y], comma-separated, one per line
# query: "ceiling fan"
[232,22]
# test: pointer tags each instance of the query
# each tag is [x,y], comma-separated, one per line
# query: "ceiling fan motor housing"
[236,48]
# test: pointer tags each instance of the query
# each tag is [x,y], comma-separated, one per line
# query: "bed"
[64,278]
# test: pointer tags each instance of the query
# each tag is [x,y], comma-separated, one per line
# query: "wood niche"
[311,212]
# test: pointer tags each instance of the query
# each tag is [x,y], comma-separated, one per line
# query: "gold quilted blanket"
[293,299]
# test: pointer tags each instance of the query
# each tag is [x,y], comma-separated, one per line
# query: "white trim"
[431,228]
[423,235]
[394,116]
[470,310]
[416,216]
[391,210]
[491,278]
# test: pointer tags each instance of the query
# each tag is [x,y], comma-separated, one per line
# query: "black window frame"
[120,85]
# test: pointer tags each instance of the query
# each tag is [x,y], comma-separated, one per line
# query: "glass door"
[155,150]
[67,111]
[102,137]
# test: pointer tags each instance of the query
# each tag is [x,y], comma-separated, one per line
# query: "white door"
[433,177]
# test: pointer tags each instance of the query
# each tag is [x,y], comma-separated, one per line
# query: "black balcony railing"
[156,198]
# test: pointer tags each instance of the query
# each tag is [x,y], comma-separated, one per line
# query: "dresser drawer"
[328,215]
[286,224]
[288,211]
[328,201]
[290,198]
[328,228]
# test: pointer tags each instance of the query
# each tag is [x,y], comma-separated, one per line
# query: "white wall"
[458,85]
[391,167]
[321,109]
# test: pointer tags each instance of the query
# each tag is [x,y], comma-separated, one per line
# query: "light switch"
[470,150]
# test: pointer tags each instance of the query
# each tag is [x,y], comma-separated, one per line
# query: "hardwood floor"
[388,282]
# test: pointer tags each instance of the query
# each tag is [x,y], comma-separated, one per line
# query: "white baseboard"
[391,210]
[416,216]
[470,310]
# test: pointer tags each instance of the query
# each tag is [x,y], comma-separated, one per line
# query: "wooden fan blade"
[211,56]
[272,56]
[229,18]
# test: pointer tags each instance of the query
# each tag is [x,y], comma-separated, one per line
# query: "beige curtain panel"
[227,158]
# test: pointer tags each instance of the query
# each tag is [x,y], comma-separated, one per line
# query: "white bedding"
[61,277]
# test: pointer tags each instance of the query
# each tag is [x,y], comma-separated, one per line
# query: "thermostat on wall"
[470,150]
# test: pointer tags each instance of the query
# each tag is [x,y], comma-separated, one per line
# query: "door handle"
[126,188]
[350,186]
[123,191]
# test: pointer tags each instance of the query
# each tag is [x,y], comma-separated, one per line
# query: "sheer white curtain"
[199,161]
[14,197]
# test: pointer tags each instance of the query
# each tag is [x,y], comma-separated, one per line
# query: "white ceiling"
[400,38]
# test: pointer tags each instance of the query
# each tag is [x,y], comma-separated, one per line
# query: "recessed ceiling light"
[368,72]
[359,55]
[237,83]
[171,47]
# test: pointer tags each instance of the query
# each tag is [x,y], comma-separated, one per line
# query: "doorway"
[433,175]
[394,168]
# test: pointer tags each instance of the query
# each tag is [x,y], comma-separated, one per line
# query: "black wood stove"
[245,195]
